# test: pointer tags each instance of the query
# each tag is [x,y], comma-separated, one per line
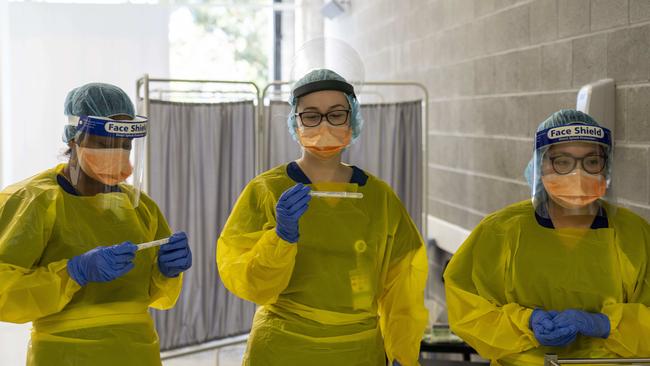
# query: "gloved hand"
[395,363]
[102,264]
[548,332]
[290,207]
[588,324]
[175,257]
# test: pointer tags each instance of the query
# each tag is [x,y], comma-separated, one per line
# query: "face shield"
[331,54]
[326,64]
[108,153]
[572,170]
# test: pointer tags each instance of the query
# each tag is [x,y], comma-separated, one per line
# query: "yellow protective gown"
[350,292]
[511,265]
[41,227]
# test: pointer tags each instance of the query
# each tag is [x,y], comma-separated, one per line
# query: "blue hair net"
[95,99]
[563,117]
[356,120]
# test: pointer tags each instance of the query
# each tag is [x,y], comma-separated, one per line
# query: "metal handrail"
[553,360]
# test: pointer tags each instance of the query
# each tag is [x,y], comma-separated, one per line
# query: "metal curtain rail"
[425,131]
[198,91]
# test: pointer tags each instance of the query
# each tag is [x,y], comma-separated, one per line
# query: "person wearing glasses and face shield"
[563,273]
[68,262]
[340,281]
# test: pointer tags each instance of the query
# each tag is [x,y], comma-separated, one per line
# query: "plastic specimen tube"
[152,244]
[336,194]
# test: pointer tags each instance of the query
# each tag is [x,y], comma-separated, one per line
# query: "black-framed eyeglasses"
[565,164]
[312,119]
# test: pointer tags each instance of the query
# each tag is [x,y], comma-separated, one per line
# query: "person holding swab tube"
[327,250]
[68,236]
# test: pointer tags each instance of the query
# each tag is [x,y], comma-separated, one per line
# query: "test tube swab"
[152,244]
[336,194]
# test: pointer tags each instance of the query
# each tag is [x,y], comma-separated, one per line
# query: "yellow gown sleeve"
[254,263]
[630,328]
[630,322]
[476,298]
[403,316]
[29,291]
[164,291]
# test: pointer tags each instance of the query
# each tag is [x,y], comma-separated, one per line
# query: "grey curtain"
[278,146]
[201,157]
[390,147]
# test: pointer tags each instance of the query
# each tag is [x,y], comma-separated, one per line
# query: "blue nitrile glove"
[547,332]
[175,257]
[588,324]
[292,204]
[395,363]
[102,264]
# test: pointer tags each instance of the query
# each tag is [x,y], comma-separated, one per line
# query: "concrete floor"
[228,355]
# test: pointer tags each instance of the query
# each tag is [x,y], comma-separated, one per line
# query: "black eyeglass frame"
[575,163]
[326,115]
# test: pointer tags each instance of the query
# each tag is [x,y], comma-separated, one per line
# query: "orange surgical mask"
[109,166]
[325,141]
[575,190]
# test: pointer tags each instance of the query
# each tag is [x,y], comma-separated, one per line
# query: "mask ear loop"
[74,168]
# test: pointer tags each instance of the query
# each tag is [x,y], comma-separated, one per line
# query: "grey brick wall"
[495,69]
